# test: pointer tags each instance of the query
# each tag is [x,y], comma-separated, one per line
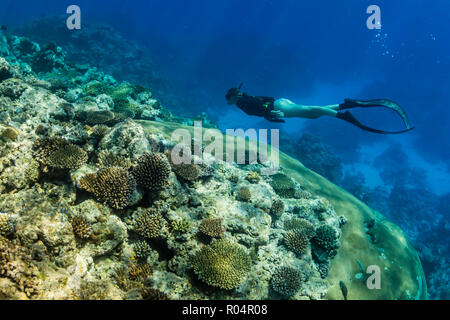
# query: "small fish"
[343,289]
[3,28]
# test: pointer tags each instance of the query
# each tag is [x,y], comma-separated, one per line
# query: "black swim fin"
[386,103]
[348,116]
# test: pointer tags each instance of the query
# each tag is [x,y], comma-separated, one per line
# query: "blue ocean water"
[312,53]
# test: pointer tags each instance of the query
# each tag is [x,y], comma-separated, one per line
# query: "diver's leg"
[292,110]
[335,107]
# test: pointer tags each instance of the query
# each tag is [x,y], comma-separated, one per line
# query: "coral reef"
[93,211]
[99,131]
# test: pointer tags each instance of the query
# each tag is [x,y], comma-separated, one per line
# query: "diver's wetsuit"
[257,106]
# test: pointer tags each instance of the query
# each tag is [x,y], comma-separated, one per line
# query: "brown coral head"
[114,186]
[152,171]
[212,227]
[81,227]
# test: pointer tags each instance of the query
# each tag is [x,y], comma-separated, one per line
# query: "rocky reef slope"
[367,239]
[94,207]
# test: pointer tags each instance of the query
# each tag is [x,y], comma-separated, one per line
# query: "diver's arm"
[275,116]
[276,120]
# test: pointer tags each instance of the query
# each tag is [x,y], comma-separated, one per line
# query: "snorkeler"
[275,110]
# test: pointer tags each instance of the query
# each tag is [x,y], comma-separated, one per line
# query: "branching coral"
[108,159]
[7,225]
[323,268]
[212,227]
[92,290]
[283,186]
[296,241]
[244,194]
[302,225]
[149,223]
[15,266]
[95,88]
[180,225]
[142,250]
[120,95]
[99,131]
[187,171]
[326,237]
[286,281]
[222,264]
[122,278]
[277,208]
[114,186]
[59,153]
[253,177]
[153,294]
[81,227]
[152,171]
[67,157]
[140,271]
[5,253]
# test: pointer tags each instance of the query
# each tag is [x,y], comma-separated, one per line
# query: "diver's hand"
[277,114]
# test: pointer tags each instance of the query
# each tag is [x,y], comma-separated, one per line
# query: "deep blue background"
[315,52]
